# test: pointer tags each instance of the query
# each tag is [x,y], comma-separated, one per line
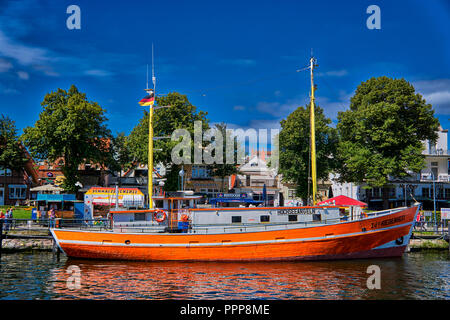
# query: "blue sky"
[237,60]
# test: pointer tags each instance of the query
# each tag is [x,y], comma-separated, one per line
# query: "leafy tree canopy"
[382,132]
[71,127]
[11,153]
[225,169]
[180,115]
[294,148]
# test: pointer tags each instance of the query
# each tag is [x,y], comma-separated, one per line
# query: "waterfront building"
[254,175]
[431,186]
[15,183]
[288,196]
[199,179]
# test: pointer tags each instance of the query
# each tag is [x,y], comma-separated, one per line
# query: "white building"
[253,175]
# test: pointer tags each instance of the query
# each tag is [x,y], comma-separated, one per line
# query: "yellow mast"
[150,137]
[313,135]
[150,157]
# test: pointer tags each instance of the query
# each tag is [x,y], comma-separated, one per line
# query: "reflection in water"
[39,276]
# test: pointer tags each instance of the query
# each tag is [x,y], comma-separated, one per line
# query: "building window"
[426,192]
[447,193]
[291,193]
[264,218]
[17,191]
[200,172]
[293,217]
[236,219]
[5,172]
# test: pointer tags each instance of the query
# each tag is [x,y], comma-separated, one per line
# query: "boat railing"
[254,227]
[43,225]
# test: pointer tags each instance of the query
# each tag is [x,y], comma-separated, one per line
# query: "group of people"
[6,218]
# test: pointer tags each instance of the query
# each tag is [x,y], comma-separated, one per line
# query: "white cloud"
[333,73]
[436,92]
[98,73]
[5,65]
[239,62]
[23,75]
[25,55]
[238,108]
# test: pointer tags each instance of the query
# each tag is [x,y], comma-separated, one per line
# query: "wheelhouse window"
[139,216]
[236,219]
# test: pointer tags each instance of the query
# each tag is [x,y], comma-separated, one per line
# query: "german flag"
[148,100]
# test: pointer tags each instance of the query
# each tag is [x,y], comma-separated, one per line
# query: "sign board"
[233,195]
[428,213]
[128,197]
[445,213]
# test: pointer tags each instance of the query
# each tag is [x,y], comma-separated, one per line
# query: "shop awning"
[342,201]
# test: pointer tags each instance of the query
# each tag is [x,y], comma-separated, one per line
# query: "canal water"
[418,275]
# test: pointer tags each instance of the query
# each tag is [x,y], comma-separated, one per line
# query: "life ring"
[159,215]
[184,218]
[399,241]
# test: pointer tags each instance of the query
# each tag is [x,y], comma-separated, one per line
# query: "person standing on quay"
[2,217]
[52,217]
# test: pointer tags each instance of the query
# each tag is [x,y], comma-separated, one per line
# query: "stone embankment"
[18,245]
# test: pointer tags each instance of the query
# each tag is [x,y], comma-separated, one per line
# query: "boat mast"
[313,134]
[150,137]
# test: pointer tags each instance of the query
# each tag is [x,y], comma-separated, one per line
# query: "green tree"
[294,148]
[225,169]
[120,157]
[382,133]
[71,127]
[11,151]
[180,115]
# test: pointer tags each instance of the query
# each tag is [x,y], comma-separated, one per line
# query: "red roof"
[342,201]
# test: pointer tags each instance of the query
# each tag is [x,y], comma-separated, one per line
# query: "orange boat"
[319,235]
[240,234]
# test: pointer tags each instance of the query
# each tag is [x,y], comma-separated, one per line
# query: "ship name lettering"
[295,211]
[387,222]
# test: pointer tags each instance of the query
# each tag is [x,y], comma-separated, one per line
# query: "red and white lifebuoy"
[159,215]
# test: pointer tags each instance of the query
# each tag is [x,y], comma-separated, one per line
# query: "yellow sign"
[122,191]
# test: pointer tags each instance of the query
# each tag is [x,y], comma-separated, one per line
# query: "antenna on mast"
[147,77]
[153,71]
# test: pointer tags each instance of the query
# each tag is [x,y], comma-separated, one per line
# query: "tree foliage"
[11,153]
[294,148]
[71,127]
[225,169]
[382,132]
[180,115]
[121,158]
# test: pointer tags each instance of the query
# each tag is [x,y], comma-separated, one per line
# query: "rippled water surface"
[40,276]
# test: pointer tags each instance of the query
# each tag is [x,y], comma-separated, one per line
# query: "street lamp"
[434,200]
[181,174]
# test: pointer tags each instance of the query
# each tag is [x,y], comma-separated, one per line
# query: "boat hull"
[381,236]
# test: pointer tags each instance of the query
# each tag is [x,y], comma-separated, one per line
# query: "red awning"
[342,201]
